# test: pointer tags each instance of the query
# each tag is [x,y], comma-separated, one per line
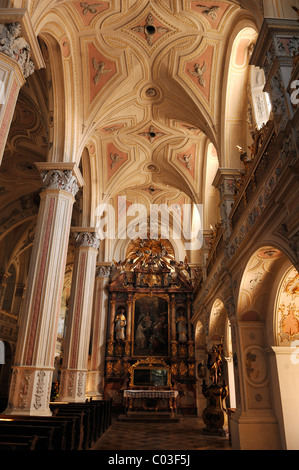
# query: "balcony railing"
[255,174]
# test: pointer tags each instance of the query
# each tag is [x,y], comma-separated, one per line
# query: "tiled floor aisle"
[186,435]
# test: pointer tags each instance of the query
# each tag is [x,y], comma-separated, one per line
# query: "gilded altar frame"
[150,363]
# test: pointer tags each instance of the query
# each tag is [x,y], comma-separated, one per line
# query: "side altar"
[150,307]
[150,386]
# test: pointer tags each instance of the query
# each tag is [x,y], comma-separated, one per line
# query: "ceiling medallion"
[152,168]
[151,92]
[150,31]
[151,134]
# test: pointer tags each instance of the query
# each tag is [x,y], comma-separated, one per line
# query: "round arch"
[233,130]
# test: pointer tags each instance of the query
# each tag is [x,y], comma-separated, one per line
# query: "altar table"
[170,395]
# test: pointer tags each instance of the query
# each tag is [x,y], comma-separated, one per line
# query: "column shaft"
[95,377]
[74,368]
[35,351]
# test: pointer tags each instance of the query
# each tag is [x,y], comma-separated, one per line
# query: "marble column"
[34,358]
[75,357]
[95,376]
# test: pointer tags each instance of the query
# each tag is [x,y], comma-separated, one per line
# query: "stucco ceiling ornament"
[210,11]
[186,159]
[89,8]
[16,47]
[149,29]
[151,134]
[114,159]
[100,70]
[199,73]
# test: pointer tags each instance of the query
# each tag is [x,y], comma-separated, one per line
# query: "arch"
[57,125]
[234,128]
[286,313]
[210,193]
[217,322]
[256,283]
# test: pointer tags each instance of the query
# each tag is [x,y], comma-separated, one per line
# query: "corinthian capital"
[16,47]
[60,179]
[86,239]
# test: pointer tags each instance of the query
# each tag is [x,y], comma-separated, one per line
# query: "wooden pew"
[45,434]
[78,425]
[68,426]
[88,418]
[13,442]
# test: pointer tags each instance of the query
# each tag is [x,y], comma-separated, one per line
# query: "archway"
[255,370]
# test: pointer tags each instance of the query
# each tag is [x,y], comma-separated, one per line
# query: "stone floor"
[184,435]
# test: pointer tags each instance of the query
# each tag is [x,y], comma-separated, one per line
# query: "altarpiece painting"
[150,326]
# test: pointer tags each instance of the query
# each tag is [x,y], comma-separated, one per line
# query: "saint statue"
[120,323]
[182,328]
[215,364]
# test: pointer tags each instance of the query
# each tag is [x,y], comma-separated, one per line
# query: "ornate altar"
[150,300]
[150,385]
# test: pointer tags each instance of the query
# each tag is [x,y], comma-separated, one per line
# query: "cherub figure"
[198,72]
[100,69]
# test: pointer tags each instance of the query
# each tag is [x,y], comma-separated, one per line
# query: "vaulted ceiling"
[137,87]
